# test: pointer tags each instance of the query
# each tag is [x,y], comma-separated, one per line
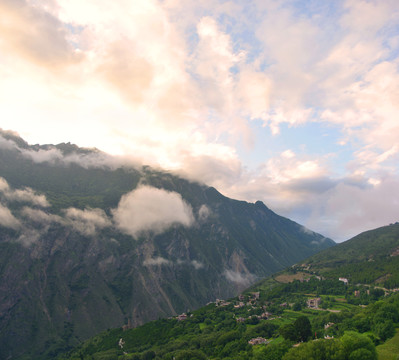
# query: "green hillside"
[307,302]
[369,258]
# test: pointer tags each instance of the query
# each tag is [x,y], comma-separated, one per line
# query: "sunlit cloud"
[87,221]
[243,279]
[7,219]
[22,195]
[157,261]
[148,209]
[180,85]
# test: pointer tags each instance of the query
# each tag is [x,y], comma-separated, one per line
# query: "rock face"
[87,244]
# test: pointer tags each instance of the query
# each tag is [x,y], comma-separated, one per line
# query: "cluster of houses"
[182,317]
[258,341]
[266,316]
[219,302]
[251,301]
[313,303]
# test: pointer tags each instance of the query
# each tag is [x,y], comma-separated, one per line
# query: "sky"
[294,103]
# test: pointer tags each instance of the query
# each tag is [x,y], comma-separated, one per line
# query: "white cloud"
[151,209]
[217,169]
[197,264]
[160,261]
[7,219]
[3,185]
[39,216]
[180,83]
[29,236]
[203,212]
[33,42]
[92,159]
[343,211]
[238,277]
[6,144]
[288,167]
[87,221]
[25,195]
[157,261]
[51,155]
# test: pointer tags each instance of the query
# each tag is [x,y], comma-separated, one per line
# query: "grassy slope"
[389,350]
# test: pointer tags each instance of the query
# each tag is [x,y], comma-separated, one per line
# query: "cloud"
[157,261]
[203,212]
[343,211]
[197,264]
[186,85]
[7,219]
[6,144]
[160,261]
[4,187]
[41,217]
[25,195]
[87,221]
[218,170]
[238,277]
[288,166]
[92,159]
[151,209]
[29,236]
[49,155]
[44,42]
[88,158]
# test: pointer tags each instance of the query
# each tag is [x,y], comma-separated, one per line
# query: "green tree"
[297,306]
[362,354]
[384,330]
[352,341]
[288,332]
[148,355]
[303,328]
[190,355]
[273,351]
[317,350]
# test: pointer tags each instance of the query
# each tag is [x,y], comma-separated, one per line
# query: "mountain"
[305,302]
[90,242]
[371,257]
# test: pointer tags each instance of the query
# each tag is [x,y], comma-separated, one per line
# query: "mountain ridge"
[82,235]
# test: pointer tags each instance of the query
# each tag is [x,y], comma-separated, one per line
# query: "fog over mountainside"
[89,242]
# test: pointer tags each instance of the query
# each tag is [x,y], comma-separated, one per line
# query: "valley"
[295,314]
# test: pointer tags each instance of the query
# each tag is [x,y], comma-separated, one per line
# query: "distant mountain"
[89,242]
[371,257]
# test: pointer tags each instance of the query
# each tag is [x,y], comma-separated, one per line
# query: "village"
[249,308]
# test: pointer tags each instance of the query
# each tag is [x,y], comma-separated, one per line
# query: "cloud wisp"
[157,261]
[7,219]
[239,278]
[22,195]
[87,221]
[160,261]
